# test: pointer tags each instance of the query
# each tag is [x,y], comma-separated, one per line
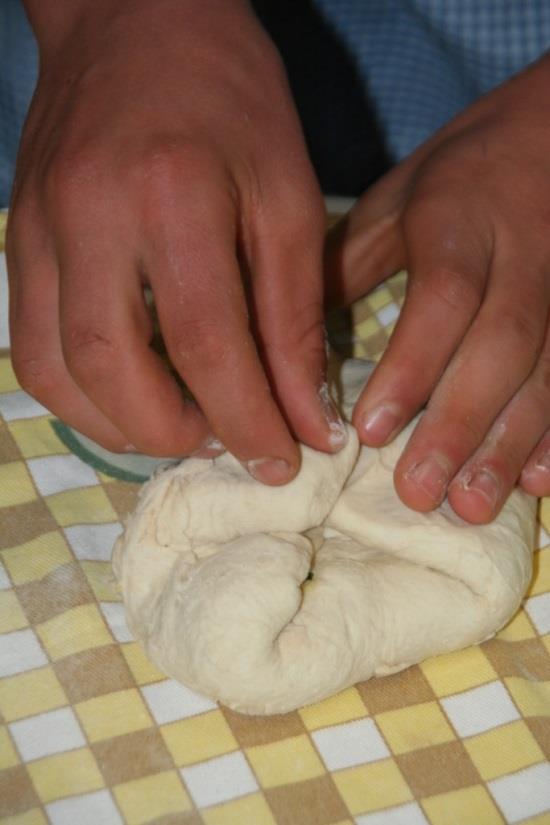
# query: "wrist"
[53,21]
[61,24]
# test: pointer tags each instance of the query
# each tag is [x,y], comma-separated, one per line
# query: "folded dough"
[271,598]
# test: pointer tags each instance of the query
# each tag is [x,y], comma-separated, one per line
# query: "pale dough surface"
[214,572]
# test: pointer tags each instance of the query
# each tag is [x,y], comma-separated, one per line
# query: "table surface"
[92,733]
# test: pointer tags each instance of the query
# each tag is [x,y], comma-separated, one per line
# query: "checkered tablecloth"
[91,733]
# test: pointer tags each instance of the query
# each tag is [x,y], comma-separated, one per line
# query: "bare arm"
[163,148]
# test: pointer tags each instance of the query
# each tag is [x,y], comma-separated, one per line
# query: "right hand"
[162,147]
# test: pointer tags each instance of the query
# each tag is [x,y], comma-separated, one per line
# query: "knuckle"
[89,353]
[163,164]
[305,334]
[308,331]
[35,373]
[453,288]
[308,215]
[420,211]
[521,327]
[198,340]
[69,174]
[303,220]
[292,212]
[187,173]
[163,161]
[312,353]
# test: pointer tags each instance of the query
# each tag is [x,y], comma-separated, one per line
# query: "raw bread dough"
[214,571]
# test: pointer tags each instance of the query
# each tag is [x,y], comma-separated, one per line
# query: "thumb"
[367,246]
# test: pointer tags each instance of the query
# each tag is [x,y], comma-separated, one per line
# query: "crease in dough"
[271,598]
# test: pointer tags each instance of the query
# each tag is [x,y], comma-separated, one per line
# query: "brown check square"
[93,673]
[540,728]
[8,446]
[528,658]
[24,522]
[438,769]
[17,792]
[313,802]
[261,730]
[63,588]
[132,756]
[410,687]
[123,496]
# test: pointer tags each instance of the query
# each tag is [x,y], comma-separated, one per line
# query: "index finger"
[448,261]
[203,314]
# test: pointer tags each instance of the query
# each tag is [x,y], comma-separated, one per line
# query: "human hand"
[162,147]
[468,215]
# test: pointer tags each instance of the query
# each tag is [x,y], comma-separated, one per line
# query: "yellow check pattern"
[92,732]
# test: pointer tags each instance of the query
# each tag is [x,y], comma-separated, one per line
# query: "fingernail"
[484,482]
[270,470]
[338,434]
[431,476]
[379,424]
[543,462]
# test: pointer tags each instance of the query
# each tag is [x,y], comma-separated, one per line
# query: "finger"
[446,284]
[105,332]
[204,319]
[481,488]
[287,299]
[535,476]
[366,246]
[496,357]
[34,333]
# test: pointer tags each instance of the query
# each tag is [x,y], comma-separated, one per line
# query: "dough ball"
[267,599]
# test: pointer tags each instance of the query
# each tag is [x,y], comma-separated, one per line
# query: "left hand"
[468,214]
